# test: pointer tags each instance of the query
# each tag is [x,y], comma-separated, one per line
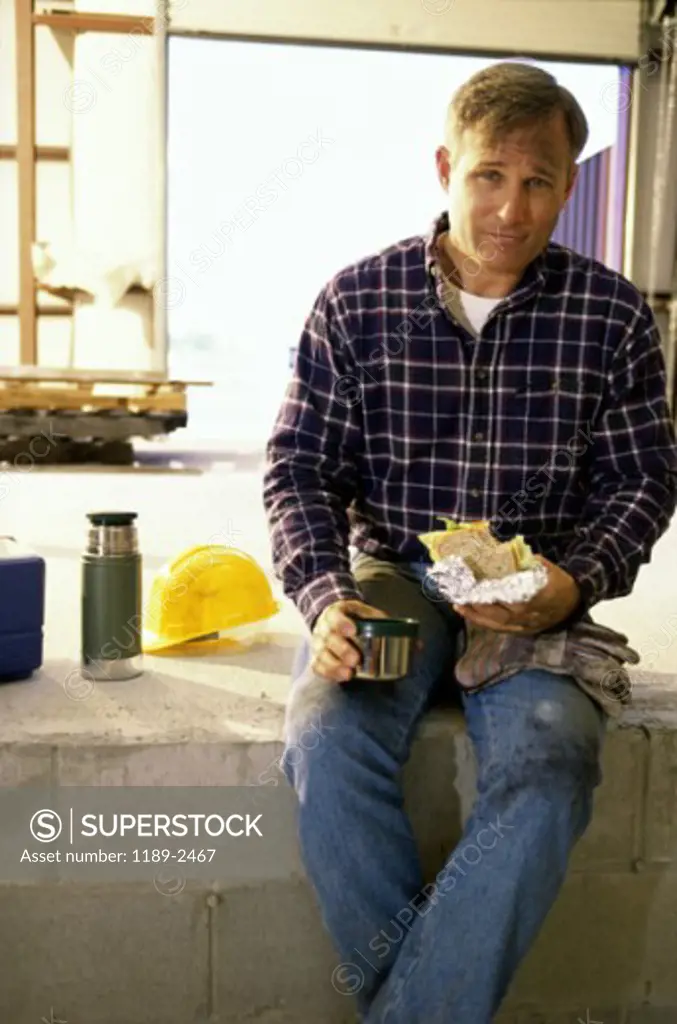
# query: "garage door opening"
[286,162]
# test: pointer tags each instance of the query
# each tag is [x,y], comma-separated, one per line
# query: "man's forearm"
[631,469]
[617,537]
[312,577]
[309,534]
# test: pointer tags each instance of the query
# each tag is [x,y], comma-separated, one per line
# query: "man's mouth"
[504,241]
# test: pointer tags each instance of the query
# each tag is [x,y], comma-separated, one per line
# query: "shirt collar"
[532,280]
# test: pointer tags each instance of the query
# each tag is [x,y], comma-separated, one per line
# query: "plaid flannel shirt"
[551,422]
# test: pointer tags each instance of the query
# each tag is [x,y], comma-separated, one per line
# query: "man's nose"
[513,209]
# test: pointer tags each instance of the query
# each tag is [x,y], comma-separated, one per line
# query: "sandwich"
[486,557]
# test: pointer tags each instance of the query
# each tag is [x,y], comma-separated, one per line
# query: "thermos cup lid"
[386,627]
[111,518]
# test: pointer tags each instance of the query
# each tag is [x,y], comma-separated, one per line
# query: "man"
[479,372]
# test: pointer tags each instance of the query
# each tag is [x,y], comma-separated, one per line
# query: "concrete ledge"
[118,953]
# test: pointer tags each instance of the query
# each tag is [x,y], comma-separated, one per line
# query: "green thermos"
[111,598]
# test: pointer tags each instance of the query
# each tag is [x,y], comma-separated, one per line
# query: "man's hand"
[554,603]
[335,657]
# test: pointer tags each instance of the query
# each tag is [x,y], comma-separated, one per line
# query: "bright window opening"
[285,163]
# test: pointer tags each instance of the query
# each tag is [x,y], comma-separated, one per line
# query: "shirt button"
[481,374]
[474,493]
[479,436]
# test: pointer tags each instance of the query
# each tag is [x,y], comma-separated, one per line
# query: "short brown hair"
[510,95]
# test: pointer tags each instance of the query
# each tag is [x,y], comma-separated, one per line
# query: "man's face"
[505,196]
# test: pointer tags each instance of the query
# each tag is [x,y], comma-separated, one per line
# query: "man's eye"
[490,175]
[539,183]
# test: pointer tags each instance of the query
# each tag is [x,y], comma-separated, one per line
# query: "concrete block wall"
[135,954]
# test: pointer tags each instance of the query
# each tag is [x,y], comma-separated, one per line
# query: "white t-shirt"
[477,308]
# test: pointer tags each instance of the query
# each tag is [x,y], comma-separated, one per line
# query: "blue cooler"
[22,610]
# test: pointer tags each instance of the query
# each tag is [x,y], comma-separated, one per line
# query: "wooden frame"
[81,21]
[25,154]
[40,310]
[60,153]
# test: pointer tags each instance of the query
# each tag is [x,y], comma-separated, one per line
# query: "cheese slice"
[485,556]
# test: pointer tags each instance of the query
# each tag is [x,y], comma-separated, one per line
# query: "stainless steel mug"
[111,598]
[386,645]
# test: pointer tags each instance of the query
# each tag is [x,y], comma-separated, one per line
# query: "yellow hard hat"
[207,590]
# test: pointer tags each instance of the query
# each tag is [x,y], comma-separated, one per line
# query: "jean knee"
[310,720]
[545,734]
[563,752]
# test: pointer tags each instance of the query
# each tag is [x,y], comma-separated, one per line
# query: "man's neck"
[484,283]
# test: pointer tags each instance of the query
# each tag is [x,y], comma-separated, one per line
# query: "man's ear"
[443,161]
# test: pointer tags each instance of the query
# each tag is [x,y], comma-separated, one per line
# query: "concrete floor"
[178,506]
[217,497]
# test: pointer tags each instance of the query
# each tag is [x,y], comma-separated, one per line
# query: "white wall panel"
[117,164]
[147,8]
[9,340]
[9,234]
[53,75]
[54,214]
[114,339]
[8,98]
[594,29]
[55,337]
[54,221]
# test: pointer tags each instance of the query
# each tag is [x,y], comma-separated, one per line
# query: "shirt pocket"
[533,383]
[556,394]
[555,407]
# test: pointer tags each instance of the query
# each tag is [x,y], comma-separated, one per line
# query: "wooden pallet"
[88,392]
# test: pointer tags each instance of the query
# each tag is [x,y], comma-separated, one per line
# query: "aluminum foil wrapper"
[456,582]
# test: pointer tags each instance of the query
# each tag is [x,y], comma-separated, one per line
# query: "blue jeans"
[444,952]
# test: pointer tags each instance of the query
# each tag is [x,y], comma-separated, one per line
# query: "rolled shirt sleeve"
[311,476]
[632,470]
